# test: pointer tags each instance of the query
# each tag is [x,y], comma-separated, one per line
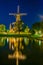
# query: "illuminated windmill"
[17,54]
[17,15]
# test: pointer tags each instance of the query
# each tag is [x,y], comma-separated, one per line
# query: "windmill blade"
[12,14]
[18,9]
[23,14]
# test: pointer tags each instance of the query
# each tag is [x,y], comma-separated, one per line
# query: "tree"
[2,28]
[38,26]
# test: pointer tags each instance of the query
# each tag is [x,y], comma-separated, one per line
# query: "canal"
[33,50]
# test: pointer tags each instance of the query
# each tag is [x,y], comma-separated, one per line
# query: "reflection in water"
[33,44]
[40,42]
[13,42]
[2,41]
[26,41]
[17,44]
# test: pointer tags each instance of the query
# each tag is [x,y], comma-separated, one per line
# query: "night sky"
[33,8]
